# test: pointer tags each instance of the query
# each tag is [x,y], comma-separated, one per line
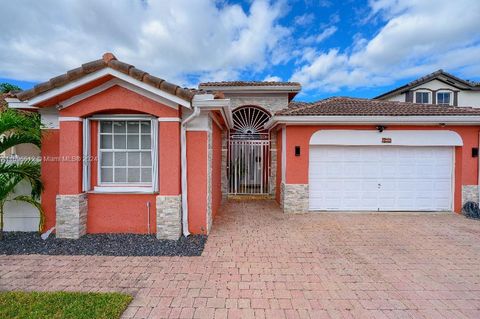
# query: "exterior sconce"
[297,150]
[474,151]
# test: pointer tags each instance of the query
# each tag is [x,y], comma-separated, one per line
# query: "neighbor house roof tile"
[108,60]
[249,83]
[345,106]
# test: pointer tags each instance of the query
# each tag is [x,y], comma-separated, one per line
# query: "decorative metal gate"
[249,152]
[249,166]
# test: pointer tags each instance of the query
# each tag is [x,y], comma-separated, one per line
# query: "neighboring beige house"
[439,88]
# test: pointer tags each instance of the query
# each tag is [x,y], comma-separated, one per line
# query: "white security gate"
[381,178]
[249,166]
[249,152]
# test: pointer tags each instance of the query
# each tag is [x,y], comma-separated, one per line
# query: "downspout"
[183,154]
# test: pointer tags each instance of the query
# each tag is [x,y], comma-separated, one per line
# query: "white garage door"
[380,178]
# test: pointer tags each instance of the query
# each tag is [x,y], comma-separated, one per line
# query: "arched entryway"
[249,152]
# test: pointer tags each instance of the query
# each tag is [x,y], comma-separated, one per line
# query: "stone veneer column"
[470,193]
[224,173]
[71,219]
[294,198]
[169,220]
[273,165]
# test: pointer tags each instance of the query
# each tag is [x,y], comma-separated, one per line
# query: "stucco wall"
[197,181]
[216,169]
[50,174]
[278,171]
[121,213]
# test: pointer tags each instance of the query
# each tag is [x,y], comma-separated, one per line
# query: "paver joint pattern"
[261,263]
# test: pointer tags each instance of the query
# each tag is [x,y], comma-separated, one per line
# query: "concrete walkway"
[260,263]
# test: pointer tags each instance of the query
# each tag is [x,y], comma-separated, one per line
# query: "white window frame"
[117,187]
[442,92]
[423,91]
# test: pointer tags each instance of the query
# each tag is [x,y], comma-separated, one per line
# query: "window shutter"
[154,126]
[409,96]
[86,156]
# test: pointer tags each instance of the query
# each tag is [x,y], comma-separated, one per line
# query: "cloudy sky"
[355,48]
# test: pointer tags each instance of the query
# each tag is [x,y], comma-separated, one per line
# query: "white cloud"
[326,33]
[40,39]
[304,19]
[317,38]
[272,78]
[418,37]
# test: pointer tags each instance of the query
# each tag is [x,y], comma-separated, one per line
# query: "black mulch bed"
[27,243]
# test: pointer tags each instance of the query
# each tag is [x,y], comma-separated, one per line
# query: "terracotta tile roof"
[346,106]
[248,83]
[108,60]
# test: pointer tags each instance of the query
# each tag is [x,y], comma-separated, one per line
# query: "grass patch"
[71,305]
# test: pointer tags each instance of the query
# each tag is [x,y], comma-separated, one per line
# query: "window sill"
[122,190]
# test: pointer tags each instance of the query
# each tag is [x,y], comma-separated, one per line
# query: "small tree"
[7,87]
[16,128]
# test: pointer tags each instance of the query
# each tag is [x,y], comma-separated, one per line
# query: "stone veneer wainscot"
[71,219]
[169,220]
[470,193]
[294,198]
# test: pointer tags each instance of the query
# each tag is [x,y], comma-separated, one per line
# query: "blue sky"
[346,48]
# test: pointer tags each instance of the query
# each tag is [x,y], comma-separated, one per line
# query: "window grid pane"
[131,162]
[443,98]
[421,97]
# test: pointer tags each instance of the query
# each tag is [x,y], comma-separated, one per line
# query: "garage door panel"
[380,178]
[444,186]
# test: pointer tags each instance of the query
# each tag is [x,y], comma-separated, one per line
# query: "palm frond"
[19,121]
[10,140]
[13,173]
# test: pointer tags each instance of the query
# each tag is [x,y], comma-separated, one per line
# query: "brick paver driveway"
[261,263]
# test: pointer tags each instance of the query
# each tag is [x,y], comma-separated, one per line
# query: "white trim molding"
[284,154]
[117,82]
[165,96]
[14,103]
[69,119]
[367,120]
[386,138]
[169,119]
[86,167]
[207,102]
[123,190]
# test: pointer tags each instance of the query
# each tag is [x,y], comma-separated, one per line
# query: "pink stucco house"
[127,152]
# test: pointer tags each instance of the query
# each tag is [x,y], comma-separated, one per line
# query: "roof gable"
[439,75]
